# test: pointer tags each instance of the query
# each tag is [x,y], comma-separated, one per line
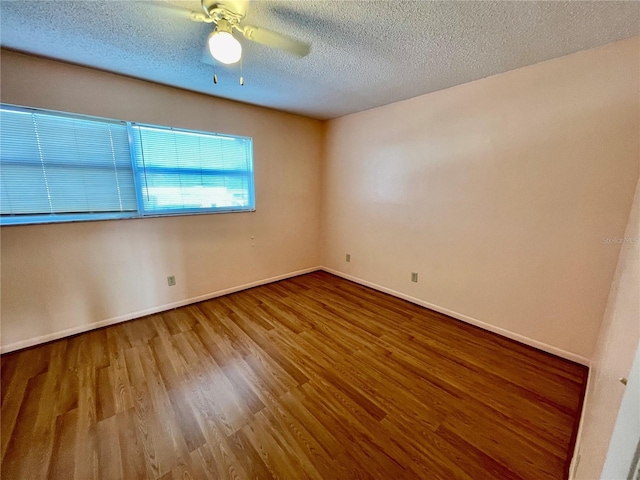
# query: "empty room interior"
[320,239]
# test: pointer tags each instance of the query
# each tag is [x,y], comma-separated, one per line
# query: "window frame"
[138,173]
[140,212]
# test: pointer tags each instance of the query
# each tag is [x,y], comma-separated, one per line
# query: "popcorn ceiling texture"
[365,53]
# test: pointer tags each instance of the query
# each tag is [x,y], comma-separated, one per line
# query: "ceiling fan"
[227,16]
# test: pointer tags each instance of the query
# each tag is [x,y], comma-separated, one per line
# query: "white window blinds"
[55,164]
[65,167]
[181,170]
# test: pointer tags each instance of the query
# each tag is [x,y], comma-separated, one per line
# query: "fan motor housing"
[231,10]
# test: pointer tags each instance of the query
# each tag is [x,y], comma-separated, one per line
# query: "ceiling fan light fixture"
[224,47]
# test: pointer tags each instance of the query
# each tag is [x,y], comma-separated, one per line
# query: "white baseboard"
[141,313]
[575,458]
[161,308]
[465,318]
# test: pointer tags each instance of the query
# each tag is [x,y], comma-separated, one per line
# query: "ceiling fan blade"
[184,13]
[276,40]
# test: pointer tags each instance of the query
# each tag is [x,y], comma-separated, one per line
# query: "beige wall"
[66,277]
[614,354]
[497,192]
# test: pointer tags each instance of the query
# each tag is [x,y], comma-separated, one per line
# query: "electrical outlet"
[414,277]
[171,281]
[348,257]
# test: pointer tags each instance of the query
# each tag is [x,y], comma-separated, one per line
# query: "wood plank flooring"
[312,377]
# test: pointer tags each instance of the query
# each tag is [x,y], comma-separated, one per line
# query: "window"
[59,167]
[63,167]
[186,171]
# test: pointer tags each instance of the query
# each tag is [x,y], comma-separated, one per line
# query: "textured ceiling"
[364,54]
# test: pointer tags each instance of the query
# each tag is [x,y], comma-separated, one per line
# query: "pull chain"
[215,76]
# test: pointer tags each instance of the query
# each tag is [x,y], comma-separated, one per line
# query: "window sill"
[49,220]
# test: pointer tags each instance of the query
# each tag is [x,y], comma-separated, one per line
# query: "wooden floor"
[312,377]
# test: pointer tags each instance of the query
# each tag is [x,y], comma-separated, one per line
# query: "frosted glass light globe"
[224,47]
